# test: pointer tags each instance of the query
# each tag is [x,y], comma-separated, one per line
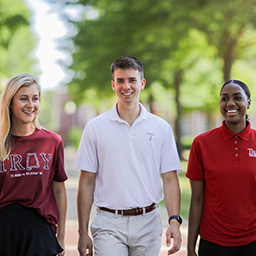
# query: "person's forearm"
[195,213]
[172,193]
[84,203]
[172,201]
[61,199]
[62,204]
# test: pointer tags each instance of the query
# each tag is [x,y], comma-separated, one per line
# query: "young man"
[121,156]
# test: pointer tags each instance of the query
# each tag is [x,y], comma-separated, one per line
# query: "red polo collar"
[227,134]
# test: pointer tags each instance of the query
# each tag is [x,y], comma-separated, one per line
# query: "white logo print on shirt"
[252,153]
[32,162]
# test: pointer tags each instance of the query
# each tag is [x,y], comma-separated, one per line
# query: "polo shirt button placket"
[236,148]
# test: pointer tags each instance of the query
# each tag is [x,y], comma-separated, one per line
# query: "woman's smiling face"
[25,105]
[234,104]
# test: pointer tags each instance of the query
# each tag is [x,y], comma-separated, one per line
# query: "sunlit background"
[48,28]
[188,48]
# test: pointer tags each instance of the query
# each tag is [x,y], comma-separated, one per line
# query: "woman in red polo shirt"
[222,173]
[32,191]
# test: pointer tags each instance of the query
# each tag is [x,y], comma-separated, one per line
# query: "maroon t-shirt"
[26,175]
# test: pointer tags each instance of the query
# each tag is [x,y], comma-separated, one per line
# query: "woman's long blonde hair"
[10,89]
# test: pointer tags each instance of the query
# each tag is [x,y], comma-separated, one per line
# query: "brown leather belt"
[131,212]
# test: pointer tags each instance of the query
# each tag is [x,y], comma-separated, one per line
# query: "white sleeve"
[86,158]
[170,160]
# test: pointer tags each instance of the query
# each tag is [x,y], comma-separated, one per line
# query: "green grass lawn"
[185,191]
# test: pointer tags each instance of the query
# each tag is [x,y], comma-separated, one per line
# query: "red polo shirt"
[226,162]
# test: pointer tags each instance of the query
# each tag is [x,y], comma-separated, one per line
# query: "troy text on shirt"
[32,162]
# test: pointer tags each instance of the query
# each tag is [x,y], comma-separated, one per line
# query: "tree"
[16,39]
[120,28]
[225,25]
[163,34]
[147,29]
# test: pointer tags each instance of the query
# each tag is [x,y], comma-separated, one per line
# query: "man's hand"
[85,246]
[173,234]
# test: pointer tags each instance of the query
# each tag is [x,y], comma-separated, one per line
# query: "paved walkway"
[71,229]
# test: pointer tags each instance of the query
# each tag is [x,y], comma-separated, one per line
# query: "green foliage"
[140,28]
[225,25]
[201,39]
[185,191]
[16,41]
[74,136]
[189,47]
[47,116]
[13,15]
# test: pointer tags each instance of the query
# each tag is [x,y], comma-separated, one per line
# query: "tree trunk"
[152,107]
[227,65]
[177,82]
[228,56]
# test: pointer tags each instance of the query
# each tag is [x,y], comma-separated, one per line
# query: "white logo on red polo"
[252,153]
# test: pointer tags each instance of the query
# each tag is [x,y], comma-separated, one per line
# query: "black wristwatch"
[176,217]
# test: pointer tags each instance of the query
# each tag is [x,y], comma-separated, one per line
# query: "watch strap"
[176,217]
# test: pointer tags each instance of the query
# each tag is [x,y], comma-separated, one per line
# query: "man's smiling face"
[127,84]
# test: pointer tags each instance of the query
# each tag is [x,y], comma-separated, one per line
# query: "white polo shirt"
[128,159]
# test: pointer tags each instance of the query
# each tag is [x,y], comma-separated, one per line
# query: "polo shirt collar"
[227,134]
[115,117]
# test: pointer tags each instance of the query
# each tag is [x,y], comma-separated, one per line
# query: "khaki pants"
[118,235]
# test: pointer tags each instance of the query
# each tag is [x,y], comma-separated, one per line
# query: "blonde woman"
[32,190]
